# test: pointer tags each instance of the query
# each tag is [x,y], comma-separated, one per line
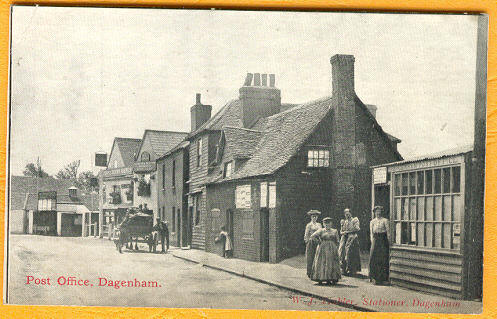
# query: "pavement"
[355,293]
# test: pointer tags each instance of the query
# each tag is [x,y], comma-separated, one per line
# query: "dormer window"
[73,192]
[228,169]
[145,157]
[318,158]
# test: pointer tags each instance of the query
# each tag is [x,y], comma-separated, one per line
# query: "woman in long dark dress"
[379,253]
[326,266]
[310,245]
[349,251]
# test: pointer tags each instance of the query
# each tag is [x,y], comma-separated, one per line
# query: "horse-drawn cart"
[136,227]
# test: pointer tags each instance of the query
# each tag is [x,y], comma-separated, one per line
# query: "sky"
[82,76]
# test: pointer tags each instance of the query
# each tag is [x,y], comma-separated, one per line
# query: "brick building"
[269,165]
[172,190]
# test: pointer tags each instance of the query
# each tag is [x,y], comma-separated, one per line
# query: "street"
[45,270]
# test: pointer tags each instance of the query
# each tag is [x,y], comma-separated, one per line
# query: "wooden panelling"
[424,288]
[426,265]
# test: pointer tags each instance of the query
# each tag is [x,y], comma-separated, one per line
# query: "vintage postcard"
[313,161]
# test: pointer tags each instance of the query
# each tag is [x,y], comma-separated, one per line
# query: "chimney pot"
[257,79]
[271,80]
[248,79]
[198,99]
[264,80]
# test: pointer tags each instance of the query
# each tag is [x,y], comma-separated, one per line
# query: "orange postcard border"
[441,6]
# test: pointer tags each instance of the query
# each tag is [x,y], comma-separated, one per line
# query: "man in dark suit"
[163,232]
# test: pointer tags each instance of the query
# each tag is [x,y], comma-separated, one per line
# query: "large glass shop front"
[425,203]
[428,208]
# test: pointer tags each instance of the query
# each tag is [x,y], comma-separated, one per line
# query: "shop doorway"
[382,198]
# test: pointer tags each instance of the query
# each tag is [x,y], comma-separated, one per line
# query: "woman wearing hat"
[379,253]
[326,266]
[310,245]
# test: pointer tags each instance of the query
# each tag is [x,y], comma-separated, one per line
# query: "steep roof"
[162,141]
[228,115]
[181,145]
[128,148]
[24,191]
[284,132]
[240,141]
[90,200]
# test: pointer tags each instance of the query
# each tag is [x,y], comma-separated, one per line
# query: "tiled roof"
[228,115]
[22,186]
[129,148]
[240,141]
[163,141]
[284,133]
[90,200]
[181,145]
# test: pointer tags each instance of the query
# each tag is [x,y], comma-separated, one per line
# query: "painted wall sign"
[272,195]
[380,175]
[263,194]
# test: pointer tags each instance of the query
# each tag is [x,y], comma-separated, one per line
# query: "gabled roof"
[228,115]
[181,145]
[161,141]
[24,191]
[128,148]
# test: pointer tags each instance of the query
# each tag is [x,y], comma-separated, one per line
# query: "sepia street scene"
[246,160]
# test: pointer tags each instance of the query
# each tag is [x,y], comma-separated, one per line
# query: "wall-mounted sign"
[242,196]
[380,175]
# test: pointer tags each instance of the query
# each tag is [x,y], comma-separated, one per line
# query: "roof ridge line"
[242,128]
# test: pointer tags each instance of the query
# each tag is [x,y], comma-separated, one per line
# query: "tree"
[87,181]
[32,169]
[70,171]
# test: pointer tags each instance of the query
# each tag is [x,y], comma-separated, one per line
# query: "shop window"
[429,182]
[438,181]
[404,184]
[421,182]
[456,179]
[318,158]
[428,208]
[412,183]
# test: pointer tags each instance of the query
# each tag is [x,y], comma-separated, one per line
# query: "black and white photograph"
[246,159]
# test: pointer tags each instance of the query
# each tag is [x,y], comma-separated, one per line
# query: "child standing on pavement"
[225,240]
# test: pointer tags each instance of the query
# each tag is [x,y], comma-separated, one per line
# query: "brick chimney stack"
[200,113]
[342,72]
[257,99]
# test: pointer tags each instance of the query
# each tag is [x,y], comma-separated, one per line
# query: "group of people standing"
[331,254]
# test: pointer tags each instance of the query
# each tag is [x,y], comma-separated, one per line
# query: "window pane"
[326,162]
[438,235]
[447,216]
[412,183]
[456,238]
[309,162]
[398,209]
[446,180]
[321,162]
[456,179]
[405,233]
[405,209]
[421,234]
[429,182]
[456,207]
[447,227]
[321,154]
[413,234]
[310,154]
[404,184]
[412,208]
[438,181]
[429,208]
[327,155]
[397,233]
[397,184]
[421,182]
[438,208]
[421,208]
[429,235]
